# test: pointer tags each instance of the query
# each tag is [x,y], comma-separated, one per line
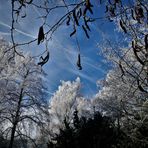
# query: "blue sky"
[63,49]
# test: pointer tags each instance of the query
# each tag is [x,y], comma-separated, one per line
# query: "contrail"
[93,66]
[82,75]
[17,30]
[67,52]
[38,12]
[4,33]
[26,34]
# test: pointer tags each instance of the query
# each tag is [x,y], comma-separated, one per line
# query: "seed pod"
[146,42]
[68,21]
[86,33]
[123,27]
[40,35]
[79,13]
[132,12]
[79,62]
[86,24]
[73,32]
[106,9]
[75,18]
[44,60]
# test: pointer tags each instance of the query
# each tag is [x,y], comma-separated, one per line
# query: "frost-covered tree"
[125,89]
[127,82]
[130,51]
[121,99]
[23,95]
[64,102]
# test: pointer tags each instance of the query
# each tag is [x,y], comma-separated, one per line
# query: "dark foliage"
[41,35]
[96,132]
[18,143]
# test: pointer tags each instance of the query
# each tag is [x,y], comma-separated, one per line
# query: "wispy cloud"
[38,12]
[17,30]
[90,63]
[82,75]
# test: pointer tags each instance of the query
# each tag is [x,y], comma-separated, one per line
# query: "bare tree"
[23,97]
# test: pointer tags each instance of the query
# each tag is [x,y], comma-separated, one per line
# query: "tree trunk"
[12,135]
[16,120]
